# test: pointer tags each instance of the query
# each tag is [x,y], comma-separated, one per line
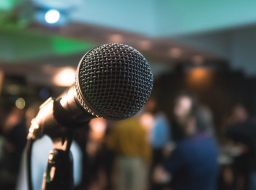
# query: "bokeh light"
[52,16]
[65,77]
[20,103]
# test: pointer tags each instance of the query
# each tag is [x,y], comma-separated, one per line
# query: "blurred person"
[15,133]
[3,169]
[159,134]
[100,159]
[2,139]
[129,140]
[2,142]
[207,119]
[81,137]
[109,159]
[193,163]
[185,104]
[242,132]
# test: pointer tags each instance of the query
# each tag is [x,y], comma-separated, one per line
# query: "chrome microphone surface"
[113,81]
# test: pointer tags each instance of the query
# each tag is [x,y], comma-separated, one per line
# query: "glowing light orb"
[65,77]
[52,16]
[20,103]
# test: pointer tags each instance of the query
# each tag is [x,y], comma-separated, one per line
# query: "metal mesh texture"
[115,81]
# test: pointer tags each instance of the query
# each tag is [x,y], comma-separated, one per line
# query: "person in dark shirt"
[242,132]
[15,133]
[193,164]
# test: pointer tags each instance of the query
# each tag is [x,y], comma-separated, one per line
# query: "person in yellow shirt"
[129,140]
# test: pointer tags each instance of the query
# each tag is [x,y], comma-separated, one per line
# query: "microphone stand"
[59,171]
[52,121]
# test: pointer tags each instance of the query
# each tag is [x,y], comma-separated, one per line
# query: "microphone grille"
[113,81]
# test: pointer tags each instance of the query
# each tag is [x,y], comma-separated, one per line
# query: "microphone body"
[113,81]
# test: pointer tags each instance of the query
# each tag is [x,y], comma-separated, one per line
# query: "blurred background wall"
[203,46]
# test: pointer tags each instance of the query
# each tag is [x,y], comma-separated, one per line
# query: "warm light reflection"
[145,45]
[147,121]
[33,126]
[45,109]
[115,38]
[65,77]
[175,52]
[200,76]
[98,127]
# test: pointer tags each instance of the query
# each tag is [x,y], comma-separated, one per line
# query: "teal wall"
[21,45]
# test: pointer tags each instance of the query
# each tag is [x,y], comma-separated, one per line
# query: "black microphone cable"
[32,135]
[30,142]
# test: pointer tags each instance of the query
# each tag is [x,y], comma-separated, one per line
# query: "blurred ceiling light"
[145,45]
[175,52]
[65,77]
[198,74]
[98,125]
[13,89]
[52,16]
[115,38]
[200,77]
[20,103]
[198,59]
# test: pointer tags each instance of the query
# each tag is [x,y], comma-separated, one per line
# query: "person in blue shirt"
[159,134]
[193,164]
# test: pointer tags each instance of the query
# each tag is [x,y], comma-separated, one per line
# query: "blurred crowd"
[149,151]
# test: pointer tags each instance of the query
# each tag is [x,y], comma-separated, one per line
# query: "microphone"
[113,81]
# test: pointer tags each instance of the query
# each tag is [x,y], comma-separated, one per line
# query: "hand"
[160,175]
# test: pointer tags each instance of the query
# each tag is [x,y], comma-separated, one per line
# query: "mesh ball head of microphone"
[113,81]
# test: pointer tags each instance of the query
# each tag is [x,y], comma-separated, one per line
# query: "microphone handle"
[57,115]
